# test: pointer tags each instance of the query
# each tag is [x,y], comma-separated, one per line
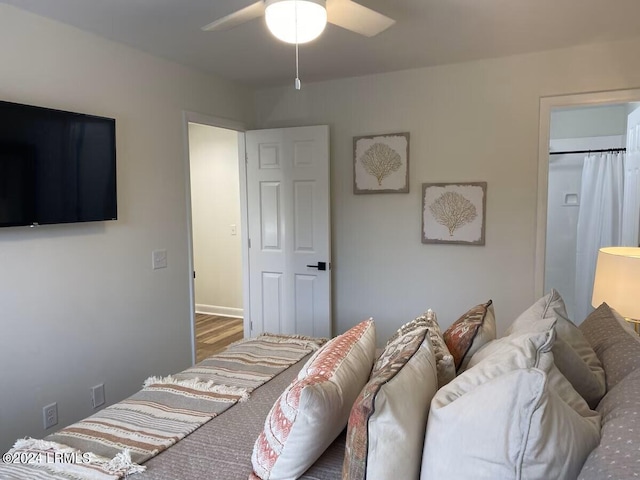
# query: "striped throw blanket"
[115,441]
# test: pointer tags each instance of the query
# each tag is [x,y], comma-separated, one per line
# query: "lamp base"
[635,322]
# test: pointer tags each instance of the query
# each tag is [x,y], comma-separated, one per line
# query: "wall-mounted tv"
[55,166]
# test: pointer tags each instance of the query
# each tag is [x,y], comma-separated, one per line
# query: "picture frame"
[454,213]
[381,163]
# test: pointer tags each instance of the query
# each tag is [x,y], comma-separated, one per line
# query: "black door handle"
[320,266]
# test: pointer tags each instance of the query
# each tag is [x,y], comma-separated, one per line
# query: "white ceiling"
[427,32]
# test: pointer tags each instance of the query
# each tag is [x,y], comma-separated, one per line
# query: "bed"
[222,447]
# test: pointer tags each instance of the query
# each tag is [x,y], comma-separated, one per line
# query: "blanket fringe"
[313,343]
[201,386]
[120,465]
[29,443]
[309,342]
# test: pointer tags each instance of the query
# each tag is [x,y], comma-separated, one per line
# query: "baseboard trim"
[222,311]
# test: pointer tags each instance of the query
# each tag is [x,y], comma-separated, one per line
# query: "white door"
[631,202]
[289,230]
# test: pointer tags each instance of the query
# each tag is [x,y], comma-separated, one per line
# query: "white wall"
[593,121]
[215,204]
[80,304]
[469,122]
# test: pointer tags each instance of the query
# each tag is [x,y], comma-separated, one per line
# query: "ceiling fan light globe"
[281,19]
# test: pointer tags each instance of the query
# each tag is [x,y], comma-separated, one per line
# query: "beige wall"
[215,205]
[80,304]
[475,121]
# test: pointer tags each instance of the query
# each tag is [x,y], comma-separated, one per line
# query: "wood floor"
[213,333]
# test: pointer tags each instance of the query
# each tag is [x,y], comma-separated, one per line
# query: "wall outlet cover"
[50,415]
[97,395]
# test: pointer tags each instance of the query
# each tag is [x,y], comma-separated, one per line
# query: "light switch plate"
[159,259]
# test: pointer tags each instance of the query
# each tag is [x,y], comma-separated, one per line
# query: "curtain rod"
[603,150]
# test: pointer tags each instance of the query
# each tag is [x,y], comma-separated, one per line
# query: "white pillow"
[533,346]
[385,436]
[512,426]
[522,418]
[314,409]
[574,357]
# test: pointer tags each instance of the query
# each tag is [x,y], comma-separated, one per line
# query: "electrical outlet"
[50,415]
[97,395]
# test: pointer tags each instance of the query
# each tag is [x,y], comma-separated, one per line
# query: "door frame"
[240,127]
[548,103]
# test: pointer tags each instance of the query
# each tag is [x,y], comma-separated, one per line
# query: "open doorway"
[216,237]
[283,177]
[587,189]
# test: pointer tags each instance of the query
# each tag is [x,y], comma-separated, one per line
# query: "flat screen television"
[55,166]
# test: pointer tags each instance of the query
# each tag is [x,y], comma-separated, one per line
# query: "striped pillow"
[314,409]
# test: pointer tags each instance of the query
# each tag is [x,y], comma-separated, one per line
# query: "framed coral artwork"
[381,163]
[454,213]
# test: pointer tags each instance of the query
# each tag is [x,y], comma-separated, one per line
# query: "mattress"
[221,449]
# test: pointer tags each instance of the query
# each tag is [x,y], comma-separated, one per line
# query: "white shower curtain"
[599,220]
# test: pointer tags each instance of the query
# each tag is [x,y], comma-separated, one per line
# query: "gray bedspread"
[221,449]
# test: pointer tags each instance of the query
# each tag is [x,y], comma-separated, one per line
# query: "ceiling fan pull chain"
[297,82]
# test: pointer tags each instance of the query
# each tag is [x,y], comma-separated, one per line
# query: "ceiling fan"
[300,21]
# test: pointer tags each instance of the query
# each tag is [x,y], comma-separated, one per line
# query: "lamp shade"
[617,280]
[296,21]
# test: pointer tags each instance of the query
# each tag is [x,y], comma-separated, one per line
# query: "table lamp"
[617,282]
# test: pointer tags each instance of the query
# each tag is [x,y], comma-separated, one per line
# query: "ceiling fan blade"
[254,10]
[357,18]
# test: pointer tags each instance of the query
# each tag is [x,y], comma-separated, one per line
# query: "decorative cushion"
[531,347]
[444,360]
[574,357]
[314,408]
[470,332]
[614,341]
[387,424]
[517,422]
[617,455]
[523,431]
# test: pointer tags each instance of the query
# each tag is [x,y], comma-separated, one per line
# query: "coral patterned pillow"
[314,409]
[389,418]
[474,329]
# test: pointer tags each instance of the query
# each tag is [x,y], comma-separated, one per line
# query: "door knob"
[319,266]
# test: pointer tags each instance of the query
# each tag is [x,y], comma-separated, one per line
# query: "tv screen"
[55,166]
